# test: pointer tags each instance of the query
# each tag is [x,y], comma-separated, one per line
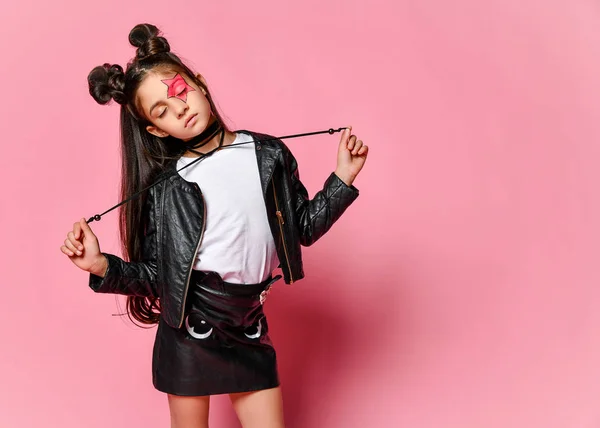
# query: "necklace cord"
[201,156]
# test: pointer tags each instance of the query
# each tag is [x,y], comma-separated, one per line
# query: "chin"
[201,125]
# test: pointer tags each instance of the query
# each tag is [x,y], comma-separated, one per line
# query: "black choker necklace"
[204,137]
[191,148]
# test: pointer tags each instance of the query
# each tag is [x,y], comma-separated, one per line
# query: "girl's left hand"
[352,154]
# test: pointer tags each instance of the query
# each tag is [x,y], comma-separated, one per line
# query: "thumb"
[85,228]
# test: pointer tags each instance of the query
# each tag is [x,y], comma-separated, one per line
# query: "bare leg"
[189,412]
[259,409]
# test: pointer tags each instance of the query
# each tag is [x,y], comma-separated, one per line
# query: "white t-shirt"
[237,241]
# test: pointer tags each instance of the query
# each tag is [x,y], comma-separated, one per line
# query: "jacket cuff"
[339,182]
[99,283]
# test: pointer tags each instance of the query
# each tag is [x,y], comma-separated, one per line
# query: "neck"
[208,140]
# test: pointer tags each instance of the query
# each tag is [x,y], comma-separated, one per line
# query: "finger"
[76,244]
[345,136]
[66,251]
[71,247]
[357,147]
[351,142]
[77,230]
[363,150]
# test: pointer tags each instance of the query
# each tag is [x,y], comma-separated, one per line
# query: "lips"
[191,120]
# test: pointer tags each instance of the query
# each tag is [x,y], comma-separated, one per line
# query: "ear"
[156,131]
[201,78]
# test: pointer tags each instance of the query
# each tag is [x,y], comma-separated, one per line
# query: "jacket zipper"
[280,221]
[187,284]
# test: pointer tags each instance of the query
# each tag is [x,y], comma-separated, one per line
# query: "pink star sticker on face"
[177,87]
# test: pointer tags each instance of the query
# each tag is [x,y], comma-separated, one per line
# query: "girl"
[202,243]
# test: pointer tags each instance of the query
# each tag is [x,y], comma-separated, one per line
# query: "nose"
[181,109]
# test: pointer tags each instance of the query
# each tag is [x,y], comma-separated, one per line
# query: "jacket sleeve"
[133,278]
[316,216]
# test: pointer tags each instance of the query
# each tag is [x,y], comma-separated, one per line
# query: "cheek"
[199,101]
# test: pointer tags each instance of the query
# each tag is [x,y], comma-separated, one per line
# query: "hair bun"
[107,82]
[146,37]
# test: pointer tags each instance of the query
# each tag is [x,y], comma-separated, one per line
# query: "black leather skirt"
[223,345]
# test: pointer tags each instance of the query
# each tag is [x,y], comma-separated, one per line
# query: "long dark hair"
[144,155]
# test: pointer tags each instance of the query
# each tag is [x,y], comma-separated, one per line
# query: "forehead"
[153,88]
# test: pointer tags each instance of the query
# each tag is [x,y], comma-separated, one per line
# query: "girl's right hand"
[83,249]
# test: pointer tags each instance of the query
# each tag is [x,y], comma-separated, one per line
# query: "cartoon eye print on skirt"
[253,332]
[198,329]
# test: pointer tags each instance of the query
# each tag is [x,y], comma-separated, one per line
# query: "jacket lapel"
[266,157]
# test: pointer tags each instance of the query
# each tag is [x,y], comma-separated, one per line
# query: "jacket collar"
[267,153]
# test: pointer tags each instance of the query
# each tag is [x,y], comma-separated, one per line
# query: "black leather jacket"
[175,226]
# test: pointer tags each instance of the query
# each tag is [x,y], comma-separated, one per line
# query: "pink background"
[460,290]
